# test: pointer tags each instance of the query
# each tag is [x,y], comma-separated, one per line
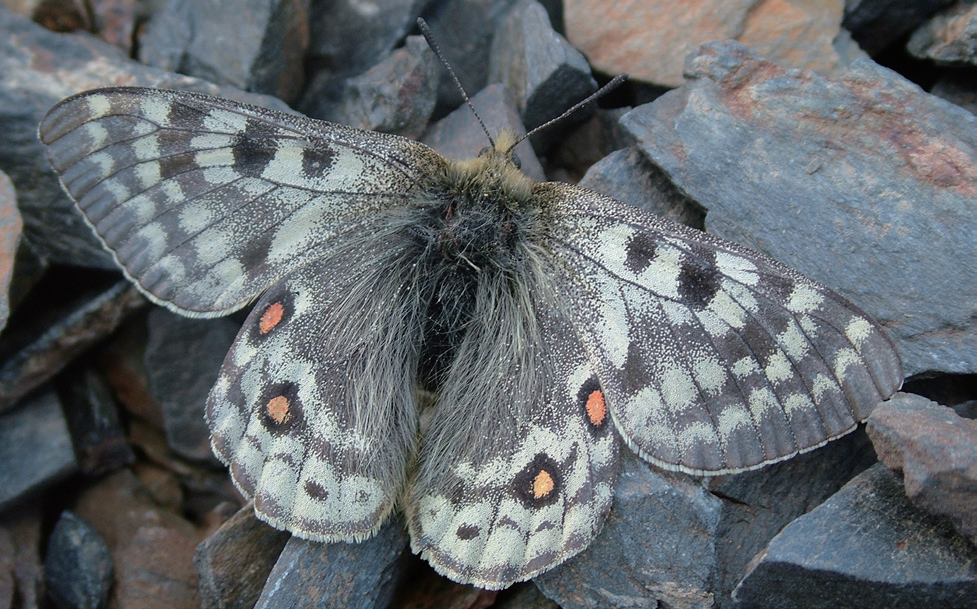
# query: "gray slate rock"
[867,546]
[759,504]
[100,442]
[545,75]
[350,36]
[40,68]
[348,575]
[11,226]
[935,451]
[234,562]
[628,176]
[77,566]
[875,24]
[395,96]
[660,536]
[255,45]
[35,449]
[180,384]
[864,183]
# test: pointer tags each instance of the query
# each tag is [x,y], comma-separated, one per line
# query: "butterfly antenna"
[615,82]
[426,31]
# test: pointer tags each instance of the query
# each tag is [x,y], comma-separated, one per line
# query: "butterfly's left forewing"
[205,202]
[714,358]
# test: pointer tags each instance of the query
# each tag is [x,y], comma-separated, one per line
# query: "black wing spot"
[590,401]
[280,410]
[468,531]
[255,148]
[317,161]
[699,280]
[641,251]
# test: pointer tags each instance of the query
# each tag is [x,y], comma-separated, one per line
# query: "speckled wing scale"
[571,322]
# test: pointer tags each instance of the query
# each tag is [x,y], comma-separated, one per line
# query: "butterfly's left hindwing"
[206,202]
[314,410]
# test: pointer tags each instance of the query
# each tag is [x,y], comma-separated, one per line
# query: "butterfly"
[452,339]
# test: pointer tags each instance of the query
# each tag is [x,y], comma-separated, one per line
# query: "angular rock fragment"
[544,74]
[867,546]
[35,448]
[395,96]
[864,182]
[357,576]
[77,565]
[935,450]
[234,562]
[93,420]
[10,229]
[876,24]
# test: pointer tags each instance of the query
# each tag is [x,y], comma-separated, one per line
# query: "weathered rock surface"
[867,546]
[935,450]
[863,182]
[650,40]
[949,37]
[77,565]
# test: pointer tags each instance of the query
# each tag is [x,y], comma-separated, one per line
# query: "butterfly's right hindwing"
[205,202]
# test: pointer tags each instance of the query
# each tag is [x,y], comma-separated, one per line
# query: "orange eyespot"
[596,409]
[278,409]
[543,484]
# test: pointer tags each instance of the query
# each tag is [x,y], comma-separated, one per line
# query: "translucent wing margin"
[713,358]
[204,202]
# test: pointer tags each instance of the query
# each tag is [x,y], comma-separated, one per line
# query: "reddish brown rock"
[152,549]
[936,452]
[650,40]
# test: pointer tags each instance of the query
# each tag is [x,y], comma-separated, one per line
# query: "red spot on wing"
[271,317]
[543,484]
[278,409]
[596,409]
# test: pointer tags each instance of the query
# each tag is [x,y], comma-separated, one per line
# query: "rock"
[395,96]
[350,36]
[590,142]
[93,421]
[115,22]
[864,183]
[867,546]
[35,448]
[152,548]
[660,535]
[40,68]
[524,596]
[628,176]
[458,136]
[255,45]
[179,384]
[935,450]
[352,575]
[876,24]
[77,565]
[78,327]
[8,583]
[757,505]
[949,38]
[545,75]
[650,40]
[464,30]
[123,364]
[234,562]
[10,228]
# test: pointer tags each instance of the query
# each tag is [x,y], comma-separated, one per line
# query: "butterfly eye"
[516,162]
[484,151]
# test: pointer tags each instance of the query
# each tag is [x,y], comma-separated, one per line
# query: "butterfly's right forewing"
[714,358]
[205,202]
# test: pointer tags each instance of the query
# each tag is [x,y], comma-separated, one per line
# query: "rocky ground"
[836,137]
